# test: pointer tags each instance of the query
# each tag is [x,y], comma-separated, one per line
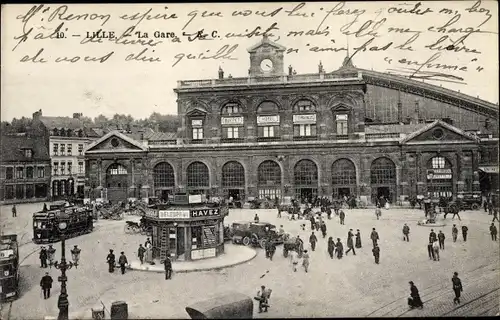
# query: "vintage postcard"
[249,160]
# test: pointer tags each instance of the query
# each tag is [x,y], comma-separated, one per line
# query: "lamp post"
[62,302]
[430,175]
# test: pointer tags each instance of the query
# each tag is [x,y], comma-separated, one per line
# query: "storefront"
[187,228]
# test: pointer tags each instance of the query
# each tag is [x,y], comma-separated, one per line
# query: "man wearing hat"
[111,261]
[457,287]
[122,261]
[46,284]
[263,297]
[43,257]
[414,301]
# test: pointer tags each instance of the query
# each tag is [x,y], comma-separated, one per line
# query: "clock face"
[266,65]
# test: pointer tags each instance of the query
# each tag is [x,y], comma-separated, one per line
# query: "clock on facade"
[266,65]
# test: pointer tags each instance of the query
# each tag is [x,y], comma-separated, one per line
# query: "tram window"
[7,270]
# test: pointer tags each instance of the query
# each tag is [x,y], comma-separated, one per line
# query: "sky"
[139,88]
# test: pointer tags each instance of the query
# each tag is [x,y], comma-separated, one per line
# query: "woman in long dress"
[149,253]
[358,239]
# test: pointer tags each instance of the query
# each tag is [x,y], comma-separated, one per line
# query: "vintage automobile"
[254,233]
[470,200]
[232,305]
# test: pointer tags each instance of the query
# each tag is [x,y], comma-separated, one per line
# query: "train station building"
[277,133]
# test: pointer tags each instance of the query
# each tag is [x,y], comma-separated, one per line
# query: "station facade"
[273,134]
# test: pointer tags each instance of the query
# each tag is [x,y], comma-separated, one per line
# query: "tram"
[45,223]
[9,267]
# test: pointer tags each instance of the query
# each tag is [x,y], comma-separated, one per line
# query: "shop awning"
[489,169]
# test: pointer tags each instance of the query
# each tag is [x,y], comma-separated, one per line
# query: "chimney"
[37,114]
[77,115]
[400,109]
[416,115]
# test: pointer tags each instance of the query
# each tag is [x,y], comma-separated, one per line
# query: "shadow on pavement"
[28,277]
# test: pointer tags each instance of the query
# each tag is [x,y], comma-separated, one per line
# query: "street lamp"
[430,175]
[62,302]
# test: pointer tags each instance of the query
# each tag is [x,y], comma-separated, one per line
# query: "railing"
[262,139]
[232,140]
[342,137]
[161,142]
[373,136]
[305,138]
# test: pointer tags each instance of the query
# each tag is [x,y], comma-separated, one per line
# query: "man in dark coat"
[331,247]
[43,257]
[414,301]
[46,284]
[14,211]
[432,236]
[441,238]
[350,243]
[342,216]
[313,240]
[493,231]
[272,249]
[329,212]
[464,232]
[339,248]
[140,253]
[376,253]
[358,239]
[495,214]
[457,287]
[111,260]
[167,263]
[336,207]
[323,228]
[313,222]
[122,261]
[430,251]
[374,236]
[454,233]
[406,233]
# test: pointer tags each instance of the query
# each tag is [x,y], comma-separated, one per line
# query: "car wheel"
[246,241]
[262,243]
[475,206]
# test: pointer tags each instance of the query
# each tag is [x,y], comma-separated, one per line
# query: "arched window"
[305,173]
[196,123]
[440,178]
[198,176]
[116,169]
[269,179]
[268,121]
[383,172]
[233,175]
[304,119]
[343,172]
[232,121]
[341,118]
[163,176]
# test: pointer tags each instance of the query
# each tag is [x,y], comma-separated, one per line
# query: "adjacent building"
[67,139]
[24,168]
[276,133]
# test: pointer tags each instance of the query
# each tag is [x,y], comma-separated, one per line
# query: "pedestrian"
[331,247]
[148,243]
[272,249]
[376,253]
[406,233]
[305,260]
[430,251]
[378,212]
[374,236]
[342,216]
[350,243]
[167,264]
[14,211]
[279,212]
[441,238]
[44,208]
[339,248]
[485,205]
[493,232]
[122,261]
[313,222]
[336,207]
[256,219]
[323,228]
[294,258]
[457,287]
[43,257]
[454,233]
[51,255]
[414,301]
[313,240]
[46,284]
[329,213]
[148,258]
[464,232]
[263,297]
[140,253]
[358,239]
[435,248]
[432,236]
[456,209]
[495,214]
[110,259]
[490,208]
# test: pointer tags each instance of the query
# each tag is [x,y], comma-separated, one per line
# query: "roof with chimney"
[13,148]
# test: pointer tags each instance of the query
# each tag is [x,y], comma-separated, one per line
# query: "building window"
[9,173]
[266,132]
[28,153]
[231,108]
[268,120]
[63,167]
[304,130]
[343,173]
[29,172]
[19,191]
[269,180]
[233,175]
[304,105]
[438,163]
[55,148]
[80,167]
[40,190]
[197,175]
[70,149]
[163,175]
[383,172]
[30,191]
[41,172]
[232,132]
[56,168]
[197,133]
[117,169]
[9,192]
[80,149]
[70,169]
[62,149]
[19,172]
[341,123]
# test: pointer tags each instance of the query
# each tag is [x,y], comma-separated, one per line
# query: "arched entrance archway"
[163,180]
[269,180]
[305,175]
[198,178]
[116,183]
[233,180]
[383,179]
[343,178]
[439,178]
